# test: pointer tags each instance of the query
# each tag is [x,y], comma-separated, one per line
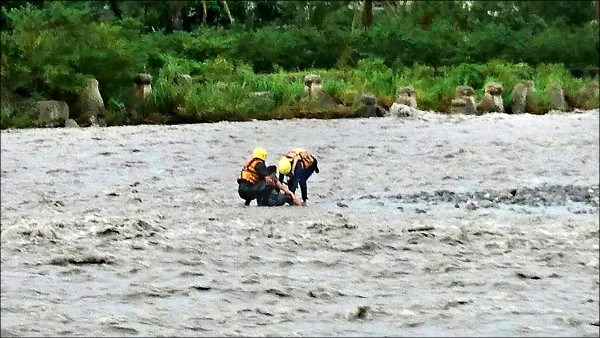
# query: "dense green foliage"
[50,49]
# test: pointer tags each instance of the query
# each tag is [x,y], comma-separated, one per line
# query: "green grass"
[224,90]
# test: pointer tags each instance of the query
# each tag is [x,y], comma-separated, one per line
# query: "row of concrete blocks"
[90,108]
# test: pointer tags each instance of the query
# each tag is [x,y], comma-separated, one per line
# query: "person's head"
[260,152]
[284,165]
[271,169]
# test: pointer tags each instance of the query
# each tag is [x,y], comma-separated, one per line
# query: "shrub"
[375,76]
[16,119]
[52,52]
[219,90]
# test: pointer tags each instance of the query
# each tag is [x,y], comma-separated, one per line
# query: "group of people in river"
[276,185]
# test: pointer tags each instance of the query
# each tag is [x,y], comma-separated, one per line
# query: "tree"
[367,15]
[224,3]
[114,6]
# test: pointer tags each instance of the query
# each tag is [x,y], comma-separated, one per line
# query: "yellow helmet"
[260,152]
[284,165]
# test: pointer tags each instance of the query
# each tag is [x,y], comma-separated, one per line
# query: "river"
[432,225]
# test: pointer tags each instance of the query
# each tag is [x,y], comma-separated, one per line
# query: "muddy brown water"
[431,225]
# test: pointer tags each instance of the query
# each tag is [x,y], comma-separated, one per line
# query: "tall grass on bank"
[222,90]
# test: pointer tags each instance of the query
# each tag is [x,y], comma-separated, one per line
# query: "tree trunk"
[169,19]
[393,7]
[224,2]
[598,10]
[300,18]
[145,12]
[173,13]
[367,17]
[355,19]
[204,12]
[114,6]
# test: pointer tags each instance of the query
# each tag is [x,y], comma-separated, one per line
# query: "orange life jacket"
[249,173]
[299,154]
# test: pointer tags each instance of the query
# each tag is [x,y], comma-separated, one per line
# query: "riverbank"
[220,90]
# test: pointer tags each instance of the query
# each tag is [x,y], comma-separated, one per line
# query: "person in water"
[297,165]
[258,182]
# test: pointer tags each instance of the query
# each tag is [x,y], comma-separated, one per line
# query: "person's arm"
[287,191]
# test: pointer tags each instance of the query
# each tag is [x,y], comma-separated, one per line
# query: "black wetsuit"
[264,193]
